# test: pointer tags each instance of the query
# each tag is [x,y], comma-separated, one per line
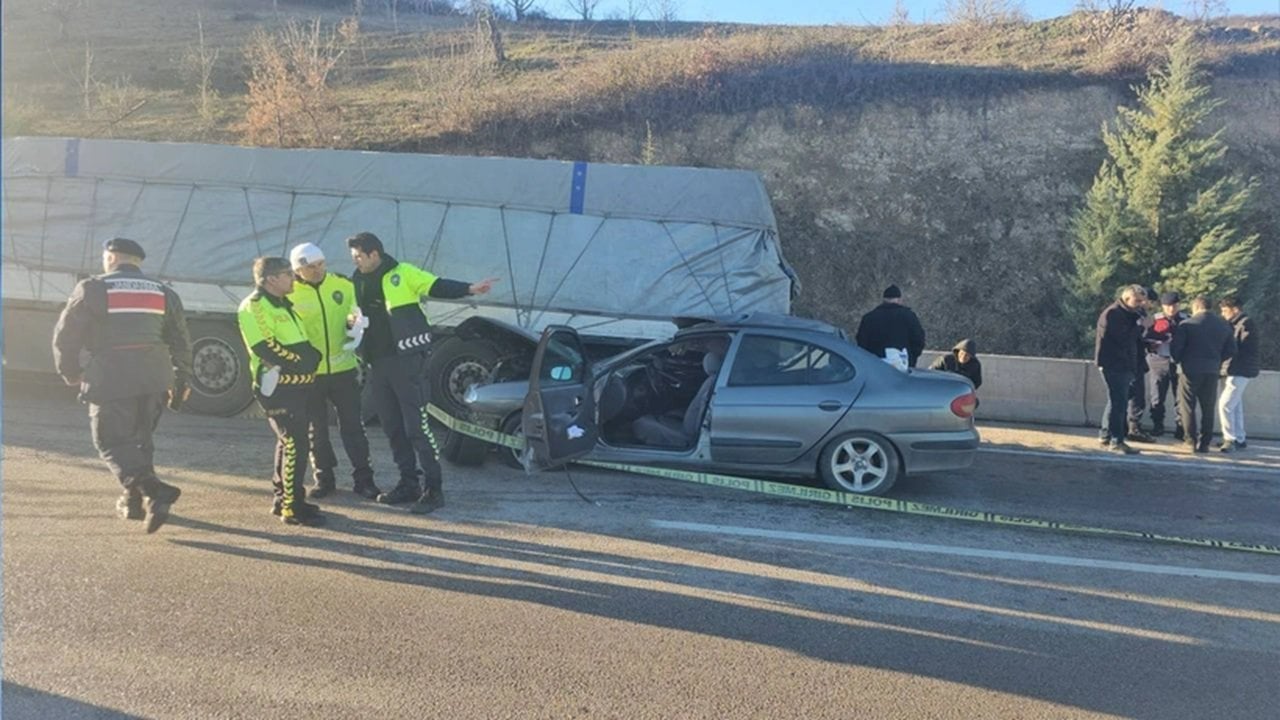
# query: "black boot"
[324,486]
[300,506]
[298,514]
[129,506]
[160,497]
[432,499]
[401,493]
[366,489]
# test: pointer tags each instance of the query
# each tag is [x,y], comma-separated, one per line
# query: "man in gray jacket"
[135,332]
[1200,345]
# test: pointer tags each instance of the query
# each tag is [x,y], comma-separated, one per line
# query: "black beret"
[892,292]
[1170,298]
[125,246]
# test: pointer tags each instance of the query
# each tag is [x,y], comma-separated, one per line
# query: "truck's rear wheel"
[456,364]
[220,383]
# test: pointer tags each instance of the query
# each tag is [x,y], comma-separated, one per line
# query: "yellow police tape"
[833,497]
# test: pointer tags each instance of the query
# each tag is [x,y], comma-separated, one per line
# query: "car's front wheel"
[860,462]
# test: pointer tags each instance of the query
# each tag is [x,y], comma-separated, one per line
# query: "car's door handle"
[830,405]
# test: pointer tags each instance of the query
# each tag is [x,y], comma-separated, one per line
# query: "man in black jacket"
[139,349]
[1118,343]
[891,325]
[1238,371]
[1200,345]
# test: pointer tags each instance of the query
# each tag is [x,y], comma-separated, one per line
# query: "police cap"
[125,246]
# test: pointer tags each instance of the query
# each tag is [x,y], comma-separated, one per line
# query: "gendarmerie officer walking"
[397,346]
[282,363]
[135,332]
[325,302]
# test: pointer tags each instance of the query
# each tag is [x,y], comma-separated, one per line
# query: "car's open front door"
[559,411]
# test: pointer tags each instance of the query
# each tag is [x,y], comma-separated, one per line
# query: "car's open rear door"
[559,411]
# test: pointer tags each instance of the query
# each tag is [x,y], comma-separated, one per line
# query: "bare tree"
[585,9]
[633,9]
[1103,18]
[63,11]
[983,12]
[1202,11]
[199,63]
[393,12]
[900,15]
[520,8]
[665,11]
[289,99]
[487,31]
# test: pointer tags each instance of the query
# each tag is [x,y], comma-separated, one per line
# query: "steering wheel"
[659,377]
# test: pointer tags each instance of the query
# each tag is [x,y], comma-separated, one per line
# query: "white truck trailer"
[614,250]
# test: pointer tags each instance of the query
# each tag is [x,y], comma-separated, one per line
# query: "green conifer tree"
[1162,211]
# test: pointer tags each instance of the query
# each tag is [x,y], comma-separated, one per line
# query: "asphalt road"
[656,599]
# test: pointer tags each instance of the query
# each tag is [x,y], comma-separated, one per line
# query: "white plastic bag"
[898,358]
[270,378]
[356,331]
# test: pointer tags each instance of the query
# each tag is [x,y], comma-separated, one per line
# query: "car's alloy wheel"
[863,463]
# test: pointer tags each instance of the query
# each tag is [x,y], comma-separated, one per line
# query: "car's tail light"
[964,405]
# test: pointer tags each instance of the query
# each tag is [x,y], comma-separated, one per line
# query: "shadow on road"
[21,702]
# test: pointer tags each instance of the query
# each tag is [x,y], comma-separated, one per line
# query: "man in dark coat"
[1118,342]
[1238,371]
[1200,345]
[962,360]
[1162,372]
[891,325]
[135,332]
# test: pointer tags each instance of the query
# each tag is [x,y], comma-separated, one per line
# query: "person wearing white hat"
[325,302]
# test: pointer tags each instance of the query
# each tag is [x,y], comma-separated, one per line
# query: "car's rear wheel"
[860,462]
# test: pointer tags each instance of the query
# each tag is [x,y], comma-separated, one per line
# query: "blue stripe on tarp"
[579,190]
[73,158]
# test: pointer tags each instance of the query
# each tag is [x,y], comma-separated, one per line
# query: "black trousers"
[287,415]
[1198,389]
[342,390]
[123,434]
[1162,383]
[1113,416]
[400,392]
[1137,401]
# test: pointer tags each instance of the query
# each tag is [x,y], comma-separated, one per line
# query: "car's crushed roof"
[756,320]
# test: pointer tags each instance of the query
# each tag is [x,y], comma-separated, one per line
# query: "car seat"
[673,430]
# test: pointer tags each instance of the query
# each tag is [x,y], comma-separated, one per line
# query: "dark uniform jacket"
[134,330]
[1245,361]
[891,325]
[1202,343]
[390,297]
[1118,343]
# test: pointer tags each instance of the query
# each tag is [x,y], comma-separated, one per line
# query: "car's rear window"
[764,360]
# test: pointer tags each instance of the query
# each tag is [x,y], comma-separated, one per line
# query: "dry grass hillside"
[945,158]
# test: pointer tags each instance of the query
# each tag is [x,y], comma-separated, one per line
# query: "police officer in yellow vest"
[396,346]
[283,365]
[325,302]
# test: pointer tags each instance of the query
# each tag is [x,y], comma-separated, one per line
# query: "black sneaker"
[1228,447]
[160,498]
[366,489]
[1104,441]
[1157,432]
[1240,444]
[1180,435]
[401,493]
[1121,448]
[321,489]
[129,507]
[428,501]
[1202,448]
[1139,436]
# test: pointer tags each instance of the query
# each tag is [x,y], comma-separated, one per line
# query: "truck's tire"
[455,365]
[220,382]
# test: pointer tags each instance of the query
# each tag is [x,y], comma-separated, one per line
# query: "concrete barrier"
[1054,391]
